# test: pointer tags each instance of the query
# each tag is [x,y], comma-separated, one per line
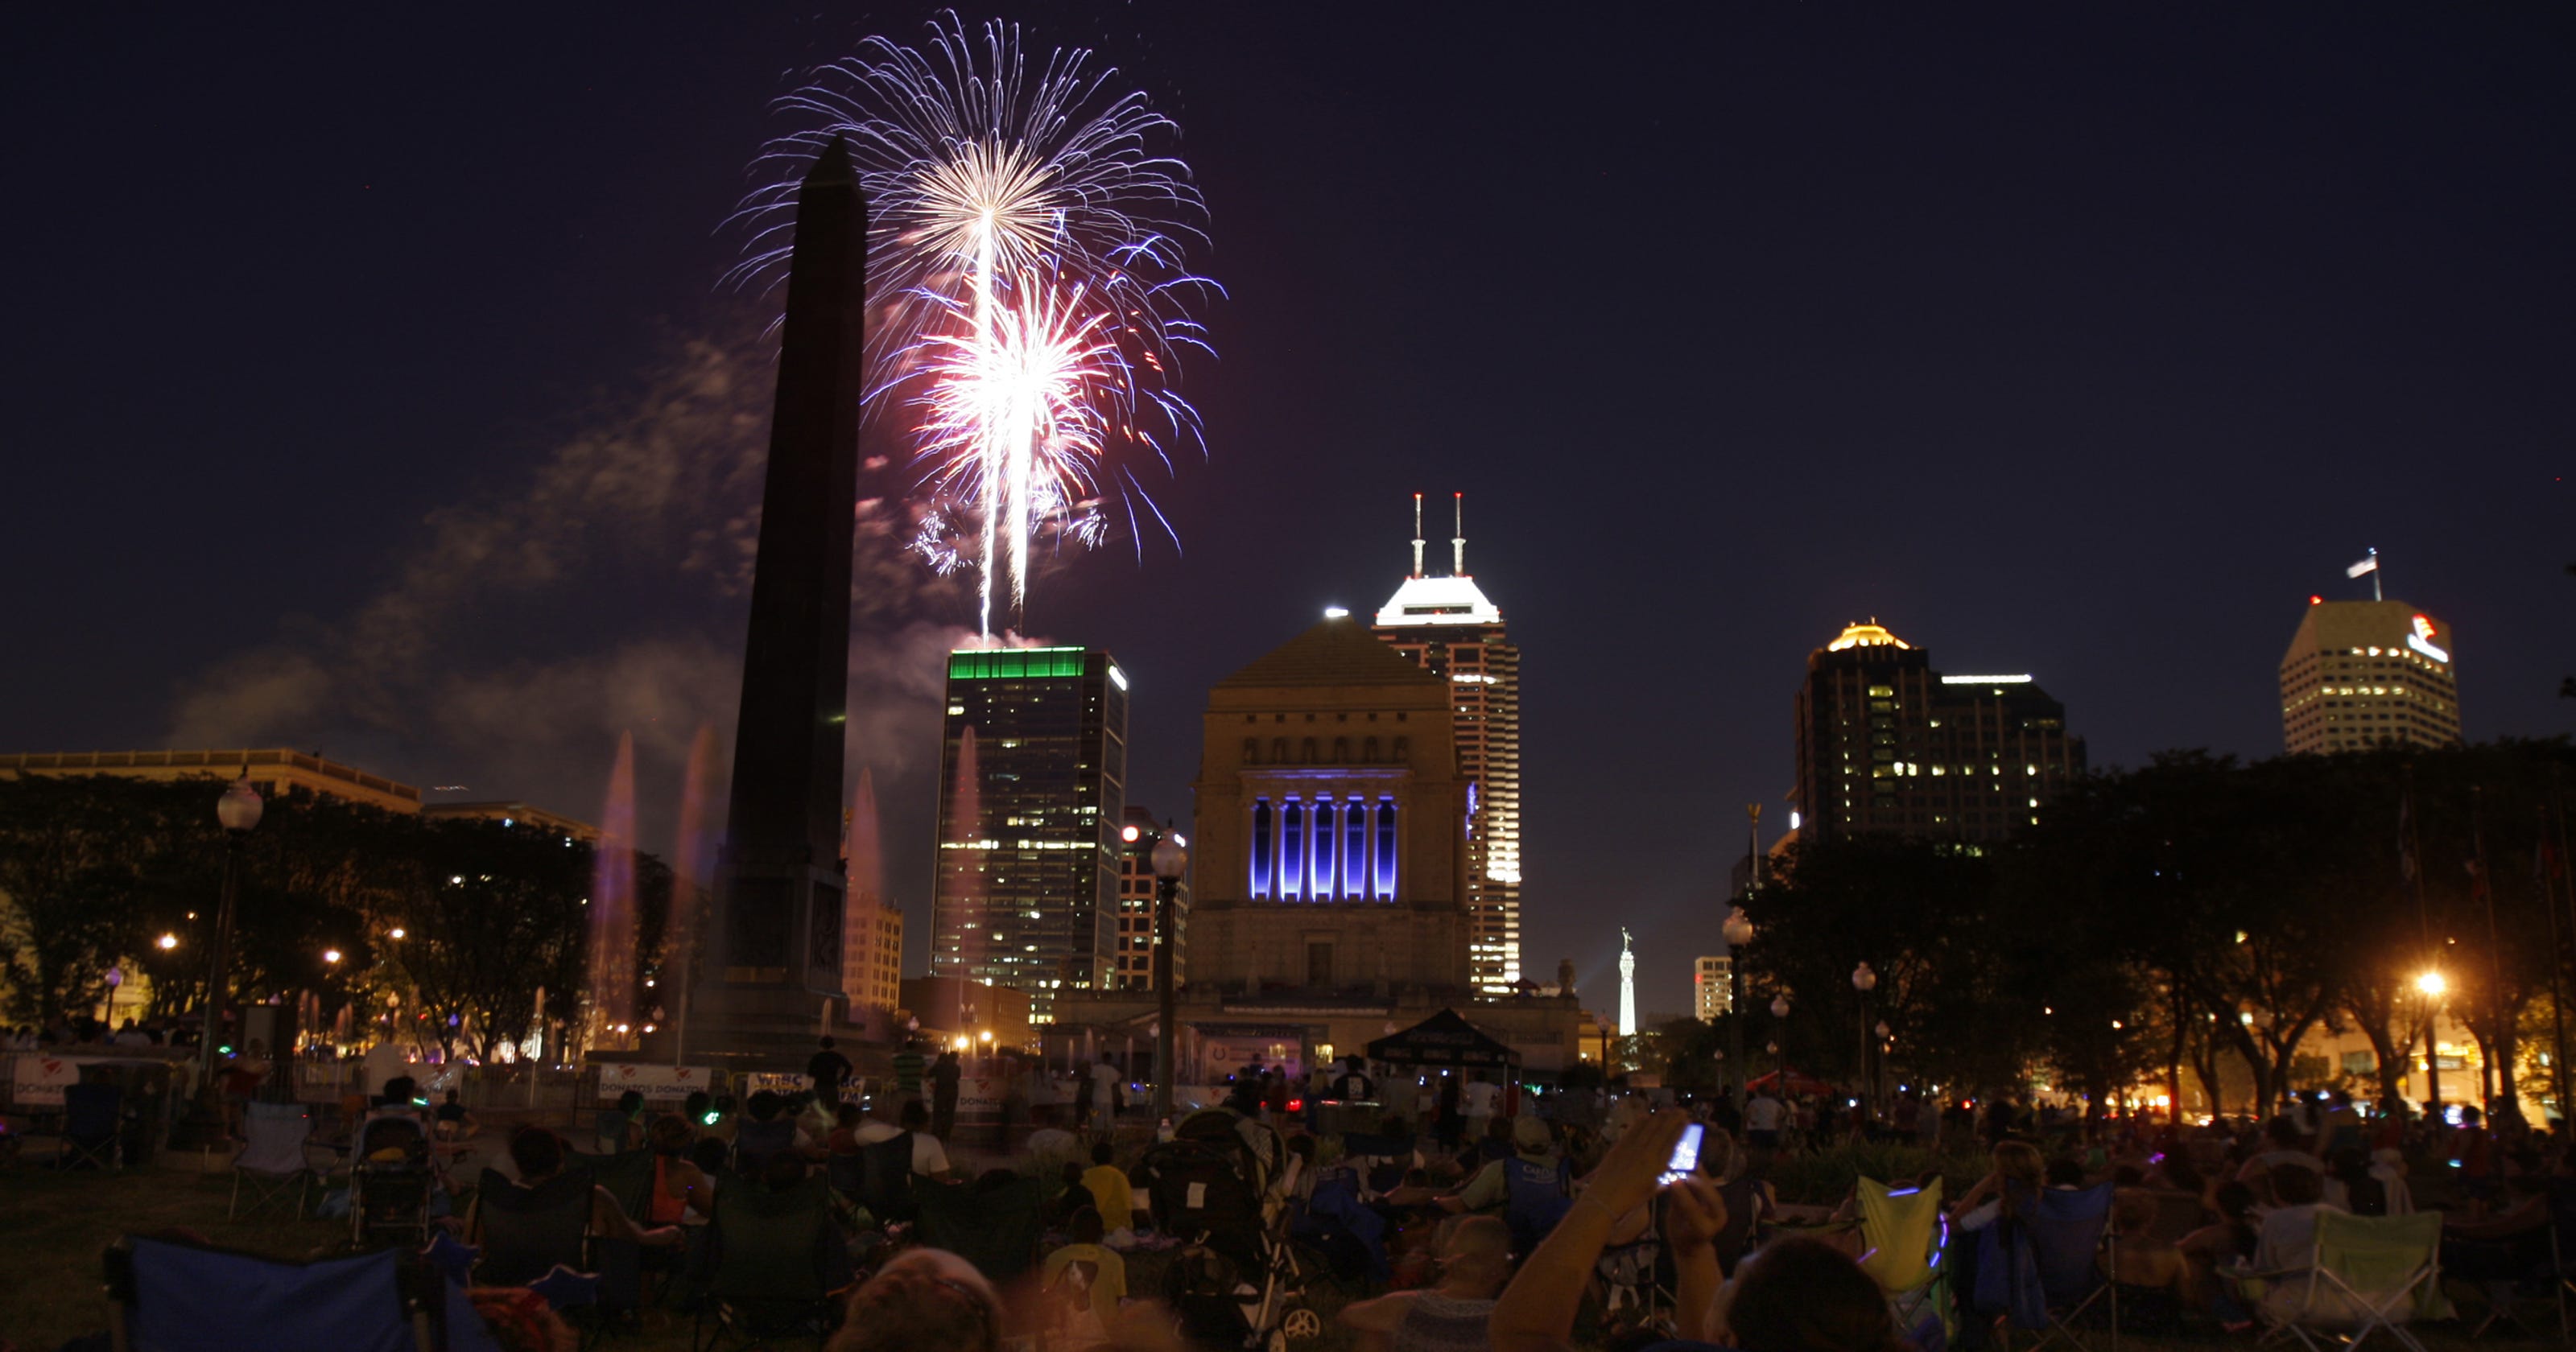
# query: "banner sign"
[39,1080]
[655,1083]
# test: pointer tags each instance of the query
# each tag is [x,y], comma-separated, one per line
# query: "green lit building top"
[1033,774]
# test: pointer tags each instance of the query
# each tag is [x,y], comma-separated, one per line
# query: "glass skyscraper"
[1033,772]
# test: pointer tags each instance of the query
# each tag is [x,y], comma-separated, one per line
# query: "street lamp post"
[1738,931]
[2432,985]
[1864,981]
[1779,1015]
[1884,1037]
[1171,859]
[239,810]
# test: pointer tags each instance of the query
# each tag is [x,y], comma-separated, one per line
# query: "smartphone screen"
[1685,1160]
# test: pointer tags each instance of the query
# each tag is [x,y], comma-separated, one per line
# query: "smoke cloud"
[520,634]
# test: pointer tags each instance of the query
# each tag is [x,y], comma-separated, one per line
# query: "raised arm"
[1536,1312]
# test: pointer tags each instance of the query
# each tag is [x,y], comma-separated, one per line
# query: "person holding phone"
[1536,1312]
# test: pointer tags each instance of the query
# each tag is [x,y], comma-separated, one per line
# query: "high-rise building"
[1887,744]
[2361,674]
[872,957]
[1446,625]
[1033,772]
[1710,994]
[1135,970]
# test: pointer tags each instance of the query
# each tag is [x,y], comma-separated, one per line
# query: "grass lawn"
[53,1227]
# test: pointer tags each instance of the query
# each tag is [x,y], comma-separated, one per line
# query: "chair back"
[628,1176]
[91,1110]
[1901,1230]
[993,1223]
[771,1246]
[527,1231]
[192,1298]
[885,1179]
[2064,1229]
[275,1135]
[755,1142]
[2377,1256]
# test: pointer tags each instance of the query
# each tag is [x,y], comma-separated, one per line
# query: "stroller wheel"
[1302,1324]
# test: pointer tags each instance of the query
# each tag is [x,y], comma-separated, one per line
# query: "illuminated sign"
[2421,640]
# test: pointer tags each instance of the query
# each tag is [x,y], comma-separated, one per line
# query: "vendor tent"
[1800,1083]
[1444,1039]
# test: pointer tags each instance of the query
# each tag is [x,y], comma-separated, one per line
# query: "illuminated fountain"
[690,856]
[612,909]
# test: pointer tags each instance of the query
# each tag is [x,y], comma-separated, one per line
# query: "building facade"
[1135,969]
[1448,627]
[1710,993]
[1033,772]
[872,958]
[2362,674]
[1328,865]
[1887,744]
[272,771]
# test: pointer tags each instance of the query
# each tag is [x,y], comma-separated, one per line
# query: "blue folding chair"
[166,1296]
[93,1127]
[2042,1266]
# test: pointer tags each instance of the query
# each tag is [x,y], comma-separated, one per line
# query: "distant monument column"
[1627,986]
[773,942]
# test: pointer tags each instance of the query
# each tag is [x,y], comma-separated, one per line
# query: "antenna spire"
[1458,542]
[1417,535]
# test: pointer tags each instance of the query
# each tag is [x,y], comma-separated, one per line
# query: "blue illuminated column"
[1263,843]
[1386,849]
[1292,851]
[1355,850]
[1325,838]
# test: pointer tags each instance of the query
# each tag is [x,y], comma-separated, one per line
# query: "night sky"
[369,386]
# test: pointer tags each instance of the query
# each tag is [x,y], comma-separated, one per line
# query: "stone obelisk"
[772,954]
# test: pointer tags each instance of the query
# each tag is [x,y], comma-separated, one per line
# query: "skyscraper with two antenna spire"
[1447,625]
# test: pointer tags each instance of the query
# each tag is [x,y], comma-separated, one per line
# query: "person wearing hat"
[1534,1186]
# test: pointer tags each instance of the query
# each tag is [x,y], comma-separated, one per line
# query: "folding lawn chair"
[2371,1273]
[272,1159]
[777,1261]
[2042,1266]
[1902,1234]
[994,1222]
[166,1296]
[93,1127]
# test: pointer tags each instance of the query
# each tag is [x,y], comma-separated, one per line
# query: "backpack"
[1537,1194]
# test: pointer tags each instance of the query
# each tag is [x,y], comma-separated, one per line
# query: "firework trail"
[1026,249]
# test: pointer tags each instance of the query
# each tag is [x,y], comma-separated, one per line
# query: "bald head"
[1479,1253]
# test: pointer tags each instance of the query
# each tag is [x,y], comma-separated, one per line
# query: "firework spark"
[1027,251]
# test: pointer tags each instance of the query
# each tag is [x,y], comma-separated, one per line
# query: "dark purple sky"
[369,388]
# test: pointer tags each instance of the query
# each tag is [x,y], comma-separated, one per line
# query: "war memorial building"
[1328,871]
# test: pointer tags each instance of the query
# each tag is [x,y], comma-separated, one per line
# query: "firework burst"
[1027,255]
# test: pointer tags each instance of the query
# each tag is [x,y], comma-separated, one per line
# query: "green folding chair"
[1902,1230]
[2371,1273]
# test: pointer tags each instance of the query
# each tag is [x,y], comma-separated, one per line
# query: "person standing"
[1480,1097]
[1103,1090]
[944,1075]
[909,1066]
[1763,1115]
[828,1069]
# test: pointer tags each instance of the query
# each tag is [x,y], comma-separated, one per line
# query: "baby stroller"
[391,1180]
[1205,1188]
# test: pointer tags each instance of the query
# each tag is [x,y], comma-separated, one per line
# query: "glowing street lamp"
[238,811]
[1737,929]
[1864,981]
[331,955]
[2434,986]
[167,942]
[1171,859]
